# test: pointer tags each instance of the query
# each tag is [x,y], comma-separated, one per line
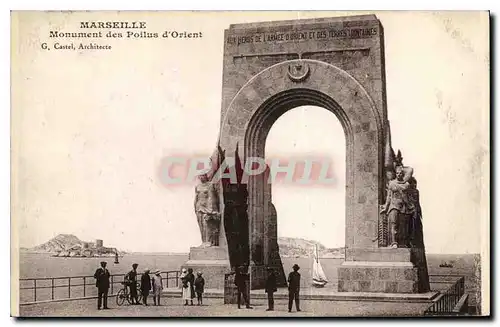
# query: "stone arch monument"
[336,64]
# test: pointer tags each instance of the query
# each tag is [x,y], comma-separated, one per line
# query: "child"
[199,287]
[157,287]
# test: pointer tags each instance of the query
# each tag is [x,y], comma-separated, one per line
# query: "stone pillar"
[271,249]
[257,220]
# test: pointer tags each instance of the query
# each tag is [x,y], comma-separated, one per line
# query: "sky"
[90,130]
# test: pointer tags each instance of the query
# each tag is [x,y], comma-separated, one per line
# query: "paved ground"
[173,307]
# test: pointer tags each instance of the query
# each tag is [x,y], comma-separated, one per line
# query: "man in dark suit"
[270,288]
[131,280]
[102,283]
[240,279]
[294,288]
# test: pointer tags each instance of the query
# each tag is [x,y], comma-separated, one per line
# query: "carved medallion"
[298,71]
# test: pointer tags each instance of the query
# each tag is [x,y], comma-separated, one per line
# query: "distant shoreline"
[121,255]
[187,253]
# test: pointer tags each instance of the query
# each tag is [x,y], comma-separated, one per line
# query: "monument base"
[213,262]
[382,270]
[258,276]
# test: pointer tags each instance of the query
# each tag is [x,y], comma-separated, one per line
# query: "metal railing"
[447,300]
[35,290]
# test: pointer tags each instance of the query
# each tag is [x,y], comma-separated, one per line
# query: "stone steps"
[323,295]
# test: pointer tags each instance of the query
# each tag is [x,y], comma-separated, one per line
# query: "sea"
[43,265]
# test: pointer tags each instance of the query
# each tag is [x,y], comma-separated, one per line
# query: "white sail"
[319,277]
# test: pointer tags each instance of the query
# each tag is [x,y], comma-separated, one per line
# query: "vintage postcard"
[250,164]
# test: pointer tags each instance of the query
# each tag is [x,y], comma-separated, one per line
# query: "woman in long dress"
[186,289]
[190,278]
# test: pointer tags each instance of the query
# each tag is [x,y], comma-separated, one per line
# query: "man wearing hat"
[270,288]
[294,288]
[131,280]
[102,283]
[240,279]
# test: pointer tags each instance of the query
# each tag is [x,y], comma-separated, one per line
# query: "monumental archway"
[337,64]
[273,92]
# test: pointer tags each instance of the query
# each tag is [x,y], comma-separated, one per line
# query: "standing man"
[102,283]
[294,288]
[241,283]
[270,288]
[131,280]
[145,286]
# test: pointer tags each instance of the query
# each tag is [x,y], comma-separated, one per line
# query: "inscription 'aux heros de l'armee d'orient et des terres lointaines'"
[295,36]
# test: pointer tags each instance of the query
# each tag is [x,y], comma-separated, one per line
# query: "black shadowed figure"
[145,286]
[270,288]
[240,280]
[294,288]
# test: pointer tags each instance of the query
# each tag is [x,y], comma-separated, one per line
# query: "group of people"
[242,277]
[192,286]
[148,284]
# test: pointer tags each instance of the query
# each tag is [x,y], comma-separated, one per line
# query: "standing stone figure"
[416,230]
[417,238]
[399,210]
[206,206]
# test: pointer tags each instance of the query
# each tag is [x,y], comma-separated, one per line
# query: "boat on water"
[116,258]
[319,277]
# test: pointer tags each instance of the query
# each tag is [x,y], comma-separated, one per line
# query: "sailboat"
[319,277]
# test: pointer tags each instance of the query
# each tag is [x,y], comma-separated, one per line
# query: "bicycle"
[125,294]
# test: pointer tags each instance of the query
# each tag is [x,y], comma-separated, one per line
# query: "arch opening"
[263,213]
[310,206]
[310,141]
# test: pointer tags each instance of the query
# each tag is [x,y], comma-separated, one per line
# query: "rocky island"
[67,245]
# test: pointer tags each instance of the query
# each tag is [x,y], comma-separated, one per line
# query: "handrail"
[447,300]
[74,283]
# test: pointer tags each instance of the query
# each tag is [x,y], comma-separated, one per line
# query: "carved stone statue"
[417,237]
[416,230]
[399,209]
[206,206]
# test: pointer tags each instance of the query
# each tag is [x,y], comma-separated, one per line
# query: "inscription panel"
[352,44]
[302,35]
